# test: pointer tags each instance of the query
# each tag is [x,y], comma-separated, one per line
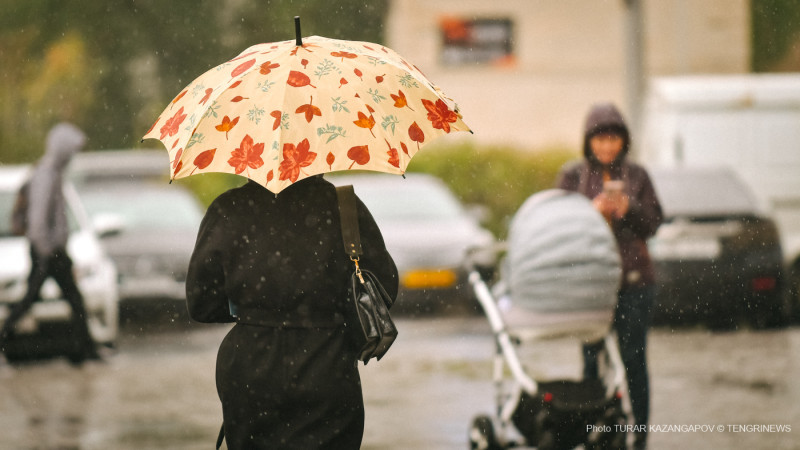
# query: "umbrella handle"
[297,31]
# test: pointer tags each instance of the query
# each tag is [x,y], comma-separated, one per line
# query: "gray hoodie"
[48,229]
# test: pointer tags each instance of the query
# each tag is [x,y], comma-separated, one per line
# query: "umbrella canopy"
[281,112]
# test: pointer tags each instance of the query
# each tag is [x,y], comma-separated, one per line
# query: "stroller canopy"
[562,256]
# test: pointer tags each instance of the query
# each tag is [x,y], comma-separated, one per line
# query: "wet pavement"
[733,390]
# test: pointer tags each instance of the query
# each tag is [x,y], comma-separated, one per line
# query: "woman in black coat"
[275,264]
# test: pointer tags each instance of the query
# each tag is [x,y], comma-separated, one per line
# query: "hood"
[63,141]
[604,117]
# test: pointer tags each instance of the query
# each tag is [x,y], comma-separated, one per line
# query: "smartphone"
[613,188]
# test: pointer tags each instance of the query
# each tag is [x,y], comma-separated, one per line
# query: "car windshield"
[413,202]
[702,193]
[145,208]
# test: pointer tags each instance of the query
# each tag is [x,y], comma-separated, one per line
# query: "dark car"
[717,256]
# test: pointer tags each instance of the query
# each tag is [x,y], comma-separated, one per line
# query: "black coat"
[286,373]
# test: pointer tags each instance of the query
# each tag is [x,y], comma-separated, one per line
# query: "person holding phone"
[623,193]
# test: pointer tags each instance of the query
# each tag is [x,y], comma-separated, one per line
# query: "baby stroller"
[560,275]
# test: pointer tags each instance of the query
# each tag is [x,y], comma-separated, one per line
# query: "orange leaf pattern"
[394,156]
[416,134]
[365,122]
[267,67]
[344,55]
[252,115]
[309,109]
[439,114]
[242,68]
[170,128]
[204,159]
[227,125]
[359,154]
[248,154]
[277,116]
[206,97]
[400,100]
[294,159]
[330,159]
[298,79]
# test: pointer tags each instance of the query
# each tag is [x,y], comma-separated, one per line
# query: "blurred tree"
[60,85]
[775,35]
[125,59]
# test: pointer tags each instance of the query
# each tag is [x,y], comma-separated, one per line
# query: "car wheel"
[482,435]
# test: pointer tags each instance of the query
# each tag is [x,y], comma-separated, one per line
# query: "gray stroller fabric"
[562,256]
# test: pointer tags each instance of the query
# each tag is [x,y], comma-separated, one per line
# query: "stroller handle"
[500,332]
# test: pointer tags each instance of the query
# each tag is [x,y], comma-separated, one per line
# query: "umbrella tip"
[297,31]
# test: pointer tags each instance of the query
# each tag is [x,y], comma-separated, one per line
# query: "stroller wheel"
[481,434]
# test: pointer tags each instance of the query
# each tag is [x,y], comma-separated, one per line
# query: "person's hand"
[603,204]
[621,205]
[611,206]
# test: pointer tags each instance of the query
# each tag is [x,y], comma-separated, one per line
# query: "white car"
[429,233]
[95,273]
[159,221]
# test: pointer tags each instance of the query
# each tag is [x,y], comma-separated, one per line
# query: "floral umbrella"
[281,112]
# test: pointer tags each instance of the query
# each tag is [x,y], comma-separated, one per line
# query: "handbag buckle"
[358,269]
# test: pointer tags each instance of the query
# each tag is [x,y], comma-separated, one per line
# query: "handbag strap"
[349,219]
[348,216]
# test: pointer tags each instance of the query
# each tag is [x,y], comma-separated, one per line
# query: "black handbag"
[370,303]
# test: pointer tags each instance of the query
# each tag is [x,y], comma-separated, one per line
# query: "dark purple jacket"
[644,214]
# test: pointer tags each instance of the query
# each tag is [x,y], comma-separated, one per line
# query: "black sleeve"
[205,282]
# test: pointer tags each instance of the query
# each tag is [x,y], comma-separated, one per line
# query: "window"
[476,41]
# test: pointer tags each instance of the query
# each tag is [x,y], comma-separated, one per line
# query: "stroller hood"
[562,256]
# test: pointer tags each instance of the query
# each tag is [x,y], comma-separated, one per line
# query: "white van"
[750,123]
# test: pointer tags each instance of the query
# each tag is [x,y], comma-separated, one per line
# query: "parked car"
[718,255]
[95,272]
[428,232]
[159,221]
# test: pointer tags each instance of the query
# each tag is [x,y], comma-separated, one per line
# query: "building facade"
[524,72]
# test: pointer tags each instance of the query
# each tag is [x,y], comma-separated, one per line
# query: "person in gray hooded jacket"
[48,230]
